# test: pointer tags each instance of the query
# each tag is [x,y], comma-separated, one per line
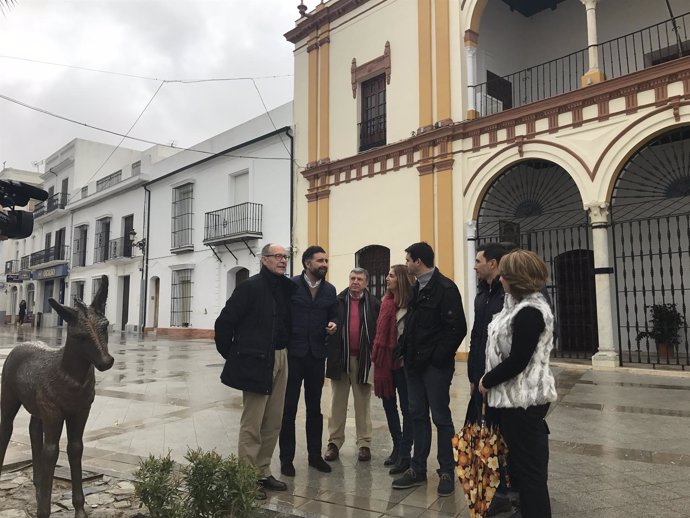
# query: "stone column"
[471,274]
[593,75]
[607,355]
[471,41]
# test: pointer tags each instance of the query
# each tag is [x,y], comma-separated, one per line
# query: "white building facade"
[211,210]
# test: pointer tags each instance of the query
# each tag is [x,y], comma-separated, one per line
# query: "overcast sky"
[165,39]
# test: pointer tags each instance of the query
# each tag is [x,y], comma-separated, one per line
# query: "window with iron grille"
[136,168]
[102,237]
[372,129]
[78,290]
[181,303]
[109,181]
[182,216]
[79,246]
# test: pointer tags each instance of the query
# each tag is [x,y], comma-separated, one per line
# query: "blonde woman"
[519,381]
[389,375]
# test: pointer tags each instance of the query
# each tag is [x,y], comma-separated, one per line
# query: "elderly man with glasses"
[252,333]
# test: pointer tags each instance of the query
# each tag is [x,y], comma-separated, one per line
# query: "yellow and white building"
[561,124]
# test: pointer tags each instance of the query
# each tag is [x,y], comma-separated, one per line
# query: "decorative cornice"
[317,19]
[370,68]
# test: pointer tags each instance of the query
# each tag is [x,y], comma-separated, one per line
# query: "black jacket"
[246,329]
[435,324]
[310,317]
[488,302]
[335,364]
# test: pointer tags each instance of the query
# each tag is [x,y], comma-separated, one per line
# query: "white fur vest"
[535,385]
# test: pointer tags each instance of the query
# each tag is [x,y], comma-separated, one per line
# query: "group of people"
[278,334]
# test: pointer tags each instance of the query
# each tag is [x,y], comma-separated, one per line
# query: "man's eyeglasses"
[279,257]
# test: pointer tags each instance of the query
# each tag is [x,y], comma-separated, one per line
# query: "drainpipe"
[292,193]
[143,293]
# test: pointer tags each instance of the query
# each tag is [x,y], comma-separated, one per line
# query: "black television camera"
[17,224]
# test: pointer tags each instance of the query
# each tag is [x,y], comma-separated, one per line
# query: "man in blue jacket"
[252,333]
[314,317]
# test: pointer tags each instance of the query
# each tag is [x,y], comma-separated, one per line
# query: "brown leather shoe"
[364,454]
[332,452]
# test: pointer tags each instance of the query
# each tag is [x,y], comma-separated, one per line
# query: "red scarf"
[386,333]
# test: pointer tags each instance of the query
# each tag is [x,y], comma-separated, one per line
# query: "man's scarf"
[364,355]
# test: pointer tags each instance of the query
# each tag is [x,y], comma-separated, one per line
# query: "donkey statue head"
[88,327]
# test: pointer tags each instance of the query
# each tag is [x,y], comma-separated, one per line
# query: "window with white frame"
[183,197]
[181,300]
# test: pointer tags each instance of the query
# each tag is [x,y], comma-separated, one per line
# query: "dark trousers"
[527,437]
[311,371]
[429,389]
[402,437]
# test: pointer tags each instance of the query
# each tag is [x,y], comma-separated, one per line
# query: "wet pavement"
[620,445]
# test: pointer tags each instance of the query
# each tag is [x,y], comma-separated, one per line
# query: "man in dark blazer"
[314,312]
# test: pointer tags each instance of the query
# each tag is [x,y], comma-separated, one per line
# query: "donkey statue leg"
[36,435]
[9,406]
[75,449]
[52,429]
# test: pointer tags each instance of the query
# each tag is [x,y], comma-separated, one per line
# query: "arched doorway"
[375,259]
[650,209]
[234,278]
[536,205]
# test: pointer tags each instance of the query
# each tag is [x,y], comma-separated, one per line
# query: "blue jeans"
[429,389]
[402,437]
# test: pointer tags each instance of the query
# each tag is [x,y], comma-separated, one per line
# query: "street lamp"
[141,244]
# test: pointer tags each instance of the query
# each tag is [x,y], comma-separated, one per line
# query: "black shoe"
[446,484]
[393,458]
[499,504]
[409,479]
[272,484]
[319,464]
[400,467]
[287,469]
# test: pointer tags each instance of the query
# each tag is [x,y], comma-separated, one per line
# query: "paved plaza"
[620,440]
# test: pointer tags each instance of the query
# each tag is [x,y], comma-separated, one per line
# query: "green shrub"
[210,486]
[156,485]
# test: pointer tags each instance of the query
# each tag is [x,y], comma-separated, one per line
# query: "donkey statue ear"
[65,312]
[101,296]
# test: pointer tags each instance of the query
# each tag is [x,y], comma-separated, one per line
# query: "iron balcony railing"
[618,57]
[120,247]
[54,253]
[12,266]
[54,202]
[236,222]
[372,133]
[109,181]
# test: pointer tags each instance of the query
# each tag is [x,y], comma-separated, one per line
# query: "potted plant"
[664,327]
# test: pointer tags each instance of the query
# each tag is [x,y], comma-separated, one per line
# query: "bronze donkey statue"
[57,386]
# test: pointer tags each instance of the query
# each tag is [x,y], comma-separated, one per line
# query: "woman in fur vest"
[389,375]
[518,379]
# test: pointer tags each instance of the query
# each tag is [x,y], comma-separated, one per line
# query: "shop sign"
[50,273]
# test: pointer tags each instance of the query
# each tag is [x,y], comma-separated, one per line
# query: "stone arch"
[475,9]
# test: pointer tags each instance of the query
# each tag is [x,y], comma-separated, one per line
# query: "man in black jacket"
[314,317]
[252,333]
[434,328]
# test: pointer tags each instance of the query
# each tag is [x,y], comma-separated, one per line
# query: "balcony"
[372,133]
[618,57]
[119,248]
[54,202]
[25,261]
[48,256]
[12,266]
[231,224]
